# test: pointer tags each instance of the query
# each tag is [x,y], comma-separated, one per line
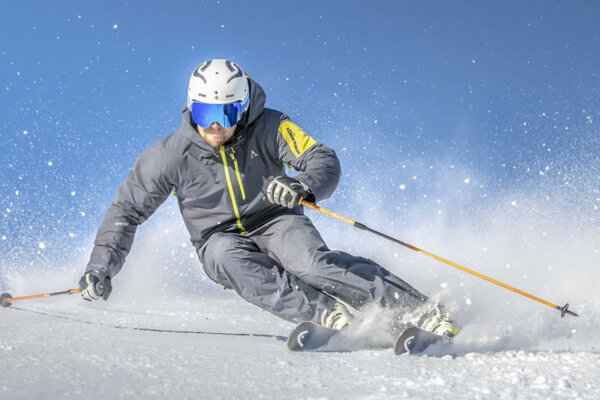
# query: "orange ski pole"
[564,310]
[6,299]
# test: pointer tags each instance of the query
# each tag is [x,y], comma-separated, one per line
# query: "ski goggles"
[227,115]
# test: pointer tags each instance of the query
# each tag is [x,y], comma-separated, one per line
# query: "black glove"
[287,192]
[95,285]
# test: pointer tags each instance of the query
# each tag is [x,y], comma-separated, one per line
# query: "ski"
[309,336]
[415,341]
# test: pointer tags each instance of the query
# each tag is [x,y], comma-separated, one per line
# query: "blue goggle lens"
[226,115]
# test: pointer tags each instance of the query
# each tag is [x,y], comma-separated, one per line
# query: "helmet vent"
[215,82]
[234,68]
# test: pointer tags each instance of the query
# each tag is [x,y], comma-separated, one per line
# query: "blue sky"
[417,97]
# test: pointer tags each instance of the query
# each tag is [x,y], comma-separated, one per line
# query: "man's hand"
[286,191]
[95,285]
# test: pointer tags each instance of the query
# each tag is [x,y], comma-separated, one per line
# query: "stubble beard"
[216,136]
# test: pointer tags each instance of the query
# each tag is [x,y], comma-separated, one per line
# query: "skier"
[225,164]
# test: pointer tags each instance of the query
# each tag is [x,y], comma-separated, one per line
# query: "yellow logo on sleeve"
[296,138]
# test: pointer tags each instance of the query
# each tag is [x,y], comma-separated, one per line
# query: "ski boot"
[336,318]
[436,321]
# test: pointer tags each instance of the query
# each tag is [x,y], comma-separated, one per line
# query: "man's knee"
[217,248]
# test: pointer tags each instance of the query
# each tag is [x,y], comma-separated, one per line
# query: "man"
[226,165]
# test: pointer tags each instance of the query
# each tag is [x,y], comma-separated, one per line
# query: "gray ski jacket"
[217,189]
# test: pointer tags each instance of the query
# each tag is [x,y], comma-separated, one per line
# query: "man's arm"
[141,193]
[318,163]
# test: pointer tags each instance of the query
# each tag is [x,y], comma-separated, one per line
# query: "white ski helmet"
[218,81]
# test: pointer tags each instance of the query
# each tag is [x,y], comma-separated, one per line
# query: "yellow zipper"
[237,173]
[231,192]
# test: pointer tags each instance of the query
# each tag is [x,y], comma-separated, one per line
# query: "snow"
[64,347]
[168,331]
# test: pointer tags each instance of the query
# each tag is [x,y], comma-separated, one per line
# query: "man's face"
[215,135]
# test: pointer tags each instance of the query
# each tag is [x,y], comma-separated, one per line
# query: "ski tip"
[310,337]
[415,341]
[4,299]
[296,340]
[564,310]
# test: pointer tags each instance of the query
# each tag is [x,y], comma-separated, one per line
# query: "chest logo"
[253,155]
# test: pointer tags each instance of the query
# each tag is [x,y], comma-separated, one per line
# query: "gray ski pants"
[286,268]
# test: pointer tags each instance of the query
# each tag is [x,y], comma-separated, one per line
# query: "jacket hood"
[257,102]
[255,109]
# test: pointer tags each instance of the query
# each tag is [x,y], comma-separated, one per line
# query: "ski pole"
[6,299]
[564,310]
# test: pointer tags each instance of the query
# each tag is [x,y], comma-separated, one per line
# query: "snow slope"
[66,348]
[167,331]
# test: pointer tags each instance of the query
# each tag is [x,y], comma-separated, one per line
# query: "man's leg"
[295,244]
[235,262]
